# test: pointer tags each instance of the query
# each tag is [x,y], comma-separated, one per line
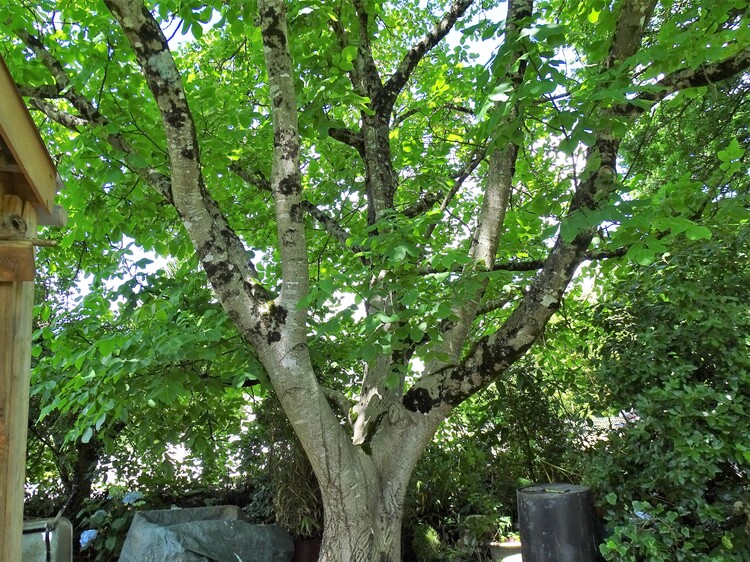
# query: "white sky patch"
[345,301]
[175,36]
[486,49]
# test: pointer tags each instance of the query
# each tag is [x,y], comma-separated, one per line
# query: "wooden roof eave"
[33,175]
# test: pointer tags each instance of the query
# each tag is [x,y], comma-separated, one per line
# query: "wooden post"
[28,183]
[16,307]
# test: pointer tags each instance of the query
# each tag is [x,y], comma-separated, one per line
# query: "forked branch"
[220,250]
[383,104]
[445,387]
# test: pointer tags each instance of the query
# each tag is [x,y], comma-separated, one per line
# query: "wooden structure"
[28,183]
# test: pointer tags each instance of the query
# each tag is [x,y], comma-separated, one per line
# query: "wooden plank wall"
[16,309]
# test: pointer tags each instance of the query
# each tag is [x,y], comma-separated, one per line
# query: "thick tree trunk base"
[365,537]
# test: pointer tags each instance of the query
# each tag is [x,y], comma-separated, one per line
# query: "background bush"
[678,351]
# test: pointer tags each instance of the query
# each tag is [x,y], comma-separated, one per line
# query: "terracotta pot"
[306,550]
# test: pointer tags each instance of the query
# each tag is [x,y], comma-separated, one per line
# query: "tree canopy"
[389,201]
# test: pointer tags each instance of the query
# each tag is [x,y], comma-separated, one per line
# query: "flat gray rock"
[204,534]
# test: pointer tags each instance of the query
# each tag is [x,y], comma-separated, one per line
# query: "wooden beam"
[16,261]
[16,251]
[21,138]
[16,308]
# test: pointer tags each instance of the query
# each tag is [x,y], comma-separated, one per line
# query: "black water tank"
[558,523]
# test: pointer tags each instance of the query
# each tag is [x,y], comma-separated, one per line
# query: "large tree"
[319,153]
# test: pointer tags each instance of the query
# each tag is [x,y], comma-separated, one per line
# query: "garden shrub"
[675,482]
[426,543]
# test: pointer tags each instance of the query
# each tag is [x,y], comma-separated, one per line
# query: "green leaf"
[444,310]
[197,30]
[107,346]
[640,254]
[416,333]
[500,93]
[349,53]
[698,233]
[392,380]
[327,286]
[732,152]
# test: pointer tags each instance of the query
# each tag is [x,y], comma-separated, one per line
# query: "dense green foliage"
[673,342]
[678,353]
[141,387]
[621,144]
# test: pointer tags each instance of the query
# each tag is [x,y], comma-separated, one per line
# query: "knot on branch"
[605,174]
[12,227]
[604,180]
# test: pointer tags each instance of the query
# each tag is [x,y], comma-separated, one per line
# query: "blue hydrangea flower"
[87,537]
[131,497]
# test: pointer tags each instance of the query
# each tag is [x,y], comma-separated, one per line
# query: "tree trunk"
[354,532]
[363,499]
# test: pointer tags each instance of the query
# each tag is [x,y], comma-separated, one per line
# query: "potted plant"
[506,548]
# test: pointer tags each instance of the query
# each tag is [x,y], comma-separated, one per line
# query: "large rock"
[203,534]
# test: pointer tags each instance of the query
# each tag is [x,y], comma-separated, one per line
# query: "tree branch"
[492,305]
[46,91]
[45,57]
[67,120]
[462,175]
[159,182]
[704,75]
[448,385]
[521,266]
[399,119]
[348,137]
[287,357]
[383,102]
[220,250]
[497,193]
[534,265]
[427,201]
[368,74]
[90,116]
[251,177]
[330,225]
[62,83]
[631,23]
[339,399]
[286,176]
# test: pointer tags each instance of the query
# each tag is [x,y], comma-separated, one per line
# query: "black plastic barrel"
[558,523]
